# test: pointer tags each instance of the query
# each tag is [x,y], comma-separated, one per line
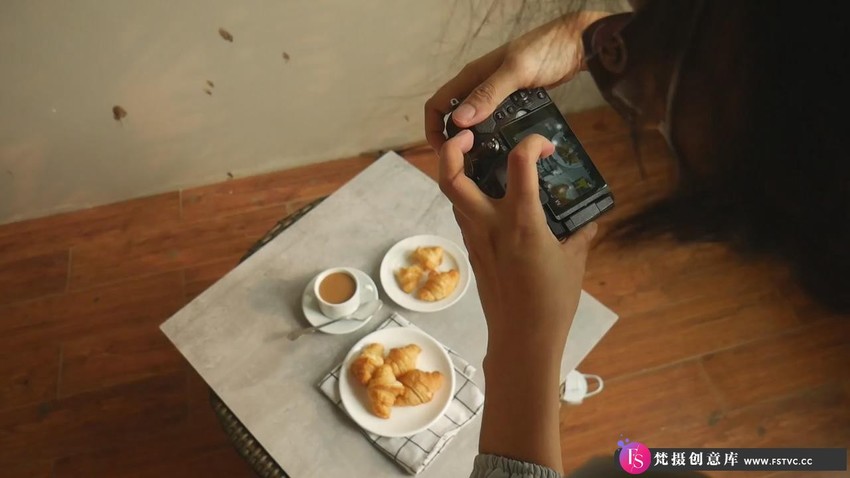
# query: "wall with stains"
[102,101]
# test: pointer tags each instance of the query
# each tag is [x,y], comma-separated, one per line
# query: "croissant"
[364,366]
[428,257]
[403,359]
[419,387]
[439,285]
[383,390]
[408,277]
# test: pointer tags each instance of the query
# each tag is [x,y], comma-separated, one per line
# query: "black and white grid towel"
[415,453]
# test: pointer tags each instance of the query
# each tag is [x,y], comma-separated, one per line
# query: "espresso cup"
[337,291]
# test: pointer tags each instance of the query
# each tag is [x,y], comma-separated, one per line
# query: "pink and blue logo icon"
[635,457]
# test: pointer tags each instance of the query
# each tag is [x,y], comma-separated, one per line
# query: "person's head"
[748,95]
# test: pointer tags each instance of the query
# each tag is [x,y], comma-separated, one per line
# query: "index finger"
[459,87]
[460,189]
[434,125]
[439,105]
[523,182]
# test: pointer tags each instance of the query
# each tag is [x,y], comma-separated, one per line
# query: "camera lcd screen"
[568,176]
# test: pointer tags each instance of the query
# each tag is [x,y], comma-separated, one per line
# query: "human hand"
[529,282]
[546,56]
[529,285]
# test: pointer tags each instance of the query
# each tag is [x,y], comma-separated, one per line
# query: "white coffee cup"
[342,309]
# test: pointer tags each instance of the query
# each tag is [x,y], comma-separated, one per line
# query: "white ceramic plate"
[404,421]
[310,305]
[454,257]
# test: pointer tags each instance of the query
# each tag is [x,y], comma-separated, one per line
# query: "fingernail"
[464,113]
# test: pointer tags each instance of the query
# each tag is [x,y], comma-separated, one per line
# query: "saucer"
[310,305]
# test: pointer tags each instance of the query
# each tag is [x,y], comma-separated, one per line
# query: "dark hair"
[778,183]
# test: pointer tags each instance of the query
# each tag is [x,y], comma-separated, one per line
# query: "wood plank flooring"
[711,350]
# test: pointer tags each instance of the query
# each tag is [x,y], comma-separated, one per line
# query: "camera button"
[511,110]
[541,94]
[491,145]
[585,215]
[605,203]
[499,115]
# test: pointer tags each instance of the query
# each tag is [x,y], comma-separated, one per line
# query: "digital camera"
[572,191]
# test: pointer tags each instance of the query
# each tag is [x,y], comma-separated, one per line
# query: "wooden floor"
[709,351]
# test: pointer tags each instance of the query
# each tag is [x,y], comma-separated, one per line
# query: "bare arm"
[529,285]
[520,419]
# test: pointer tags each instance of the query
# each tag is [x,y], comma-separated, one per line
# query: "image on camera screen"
[564,174]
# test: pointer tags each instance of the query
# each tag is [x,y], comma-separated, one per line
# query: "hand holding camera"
[547,56]
[528,281]
[571,190]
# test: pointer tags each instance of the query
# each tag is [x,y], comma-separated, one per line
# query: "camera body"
[572,192]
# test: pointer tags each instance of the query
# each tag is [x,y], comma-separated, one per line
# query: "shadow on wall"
[200,89]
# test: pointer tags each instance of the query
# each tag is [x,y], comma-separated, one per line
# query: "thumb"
[484,99]
[579,243]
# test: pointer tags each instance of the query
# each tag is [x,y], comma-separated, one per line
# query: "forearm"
[520,418]
[582,21]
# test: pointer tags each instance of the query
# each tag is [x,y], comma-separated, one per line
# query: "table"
[234,334]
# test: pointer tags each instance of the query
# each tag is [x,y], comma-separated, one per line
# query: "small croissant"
[428,257]
[419,387]
[409,277]
[383,390]
[364,366]
[402,359]
[439,286]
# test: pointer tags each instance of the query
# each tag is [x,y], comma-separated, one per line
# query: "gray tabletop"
[234,334]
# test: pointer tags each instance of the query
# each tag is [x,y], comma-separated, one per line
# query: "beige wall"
[358,73]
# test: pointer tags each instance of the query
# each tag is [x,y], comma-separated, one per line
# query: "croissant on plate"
[409,277]
[364,366]
[428,257]
[439,286]
[402,359]
[419,387]
[383,390]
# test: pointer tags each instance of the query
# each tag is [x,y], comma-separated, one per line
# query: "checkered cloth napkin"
[415,453]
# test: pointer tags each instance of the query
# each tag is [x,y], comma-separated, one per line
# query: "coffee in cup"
[338,292]
[338,287]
